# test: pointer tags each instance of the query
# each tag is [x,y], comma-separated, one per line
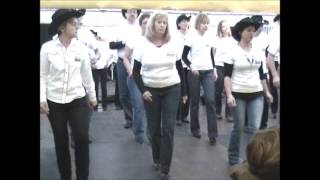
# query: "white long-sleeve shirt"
[65,73]
[126,32]
[274,42]
[107,56]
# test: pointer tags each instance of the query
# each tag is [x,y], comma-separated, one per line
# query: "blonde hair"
[201,18]
[150,30]
[263,154]
[219,29]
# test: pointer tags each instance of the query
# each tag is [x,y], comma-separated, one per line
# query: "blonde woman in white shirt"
[67,93]
[245,85]
[203,73]
[223,43]
[159,75]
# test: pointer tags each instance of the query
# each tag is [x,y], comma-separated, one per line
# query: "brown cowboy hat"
[61,15]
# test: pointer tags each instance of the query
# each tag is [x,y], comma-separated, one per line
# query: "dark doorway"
[44,36]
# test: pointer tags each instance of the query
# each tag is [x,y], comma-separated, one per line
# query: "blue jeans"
[206,79]
[124,94]
[254,109]
[138,111]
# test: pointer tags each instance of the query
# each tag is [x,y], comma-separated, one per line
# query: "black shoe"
[104,108]
[164,176]
[139,139]
[219,116]
[229,118]
[156,166]
[127,125]
[185,121]
[118,107]
[202,100]
[196,134]
[274,116]
[212,141]
[179,123]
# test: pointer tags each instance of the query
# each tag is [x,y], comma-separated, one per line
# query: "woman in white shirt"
[245,85]
[222,44]
[158,73]
[182,23]
[65,79]
[125,32]
[138,110]
[202,72]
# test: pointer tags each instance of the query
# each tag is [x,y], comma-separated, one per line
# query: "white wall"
[105,21]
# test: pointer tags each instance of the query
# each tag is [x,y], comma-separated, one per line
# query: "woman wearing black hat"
[273,62]
[65,79]
[125,31]
[182,23]
[245,85]
[260,41]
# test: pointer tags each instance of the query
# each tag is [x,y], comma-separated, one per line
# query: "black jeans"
[265,114]
[100,76]
[161,115]
[274,104]
[219,88]
[77,114]
[183,109]
[274,92]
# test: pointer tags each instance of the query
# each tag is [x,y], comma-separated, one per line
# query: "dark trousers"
[161,115]
[183,109]
[206,80]
[100,77]
[77,114]
[116,90]
[274,92]
[265,114]
[274,104]
[219,89]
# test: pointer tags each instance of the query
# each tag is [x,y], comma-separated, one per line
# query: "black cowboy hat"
[124,11]
[276,18]
[61,15]
[258,19]
[181,18]
[94,32]
[240,26]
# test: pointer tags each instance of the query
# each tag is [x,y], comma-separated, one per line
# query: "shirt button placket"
[65,80]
